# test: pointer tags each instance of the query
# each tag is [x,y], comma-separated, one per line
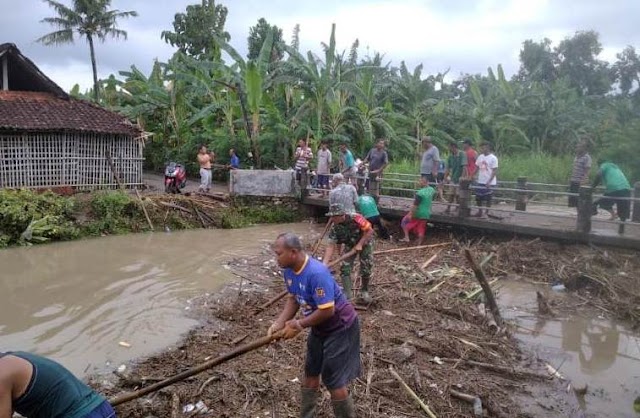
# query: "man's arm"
[494,171]
[366,237]
[289,311]
[6,409]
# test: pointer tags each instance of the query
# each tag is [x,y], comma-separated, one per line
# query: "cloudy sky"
[464,36]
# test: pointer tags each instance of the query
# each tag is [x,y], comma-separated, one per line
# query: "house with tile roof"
[51,140]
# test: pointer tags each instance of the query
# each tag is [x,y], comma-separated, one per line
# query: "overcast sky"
[465,36]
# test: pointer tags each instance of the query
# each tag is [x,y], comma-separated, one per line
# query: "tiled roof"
[44,112]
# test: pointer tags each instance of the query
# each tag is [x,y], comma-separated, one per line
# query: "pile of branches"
[424,347]
[197,209]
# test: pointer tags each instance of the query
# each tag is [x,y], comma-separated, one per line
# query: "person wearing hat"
[354,232]
[37,387]
[343,193]
[456,169]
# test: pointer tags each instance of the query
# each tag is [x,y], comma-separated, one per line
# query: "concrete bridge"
[520,208]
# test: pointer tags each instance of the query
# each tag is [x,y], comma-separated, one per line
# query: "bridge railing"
[520,195]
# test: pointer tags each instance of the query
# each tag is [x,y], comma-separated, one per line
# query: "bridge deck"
[539,220]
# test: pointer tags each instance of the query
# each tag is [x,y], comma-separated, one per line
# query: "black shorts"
[623,206]
[335,357]
[323,180]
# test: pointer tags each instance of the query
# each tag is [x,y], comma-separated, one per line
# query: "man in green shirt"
[420,212]
[369,209]
[36,387]
[617,191]
[456,169]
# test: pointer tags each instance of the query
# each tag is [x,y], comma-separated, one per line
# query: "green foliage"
[27,216]
[243,216]
[258,35]
[562,94]
[194,30]
[113,212]
[90,19]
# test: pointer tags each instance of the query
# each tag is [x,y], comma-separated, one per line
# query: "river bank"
[30,217]
[440,343]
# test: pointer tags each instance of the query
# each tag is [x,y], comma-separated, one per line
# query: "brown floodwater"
[587,349]
[76,301]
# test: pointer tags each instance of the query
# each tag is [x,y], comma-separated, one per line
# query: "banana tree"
[252,79]
[316,78]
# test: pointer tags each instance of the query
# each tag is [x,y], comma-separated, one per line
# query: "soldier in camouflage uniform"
[356,233]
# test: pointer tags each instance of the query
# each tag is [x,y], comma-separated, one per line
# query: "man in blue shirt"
[234,161]
[333,346]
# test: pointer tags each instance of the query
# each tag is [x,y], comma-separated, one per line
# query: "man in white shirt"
[324,167]
[487,164]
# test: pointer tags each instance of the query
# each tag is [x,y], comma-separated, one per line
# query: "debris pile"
[426,347]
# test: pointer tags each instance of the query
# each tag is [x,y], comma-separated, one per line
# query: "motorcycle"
[175,178]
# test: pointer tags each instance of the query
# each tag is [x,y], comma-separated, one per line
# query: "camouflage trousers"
[366,265]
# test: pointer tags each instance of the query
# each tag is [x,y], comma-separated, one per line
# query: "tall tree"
[627,69]
[537,61]
[91,19]
[195,31]
[258,34]
[577,60]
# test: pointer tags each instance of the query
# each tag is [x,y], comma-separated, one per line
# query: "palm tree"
[92,20]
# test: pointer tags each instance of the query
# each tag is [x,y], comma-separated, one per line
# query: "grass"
[538,168]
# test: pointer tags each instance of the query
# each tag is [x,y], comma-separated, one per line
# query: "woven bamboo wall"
[35,160]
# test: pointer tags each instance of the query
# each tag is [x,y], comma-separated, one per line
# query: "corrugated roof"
[44,112]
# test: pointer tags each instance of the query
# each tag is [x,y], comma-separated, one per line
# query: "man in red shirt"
[471,157]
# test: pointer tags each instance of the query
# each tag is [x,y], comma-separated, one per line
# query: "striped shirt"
[581,167]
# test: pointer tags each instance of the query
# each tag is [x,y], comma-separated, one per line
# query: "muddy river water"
[77,301]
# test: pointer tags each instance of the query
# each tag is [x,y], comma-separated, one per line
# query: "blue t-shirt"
[235,161]
[314,288]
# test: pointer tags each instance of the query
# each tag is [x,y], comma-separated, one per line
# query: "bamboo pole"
[326,228]
[411,393]
[491,300]
[144,209]
[260,342]
[419,247]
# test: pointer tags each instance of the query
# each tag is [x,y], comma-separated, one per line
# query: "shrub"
[113,212]
[27,216]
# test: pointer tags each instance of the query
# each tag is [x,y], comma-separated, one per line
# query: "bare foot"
[407,240]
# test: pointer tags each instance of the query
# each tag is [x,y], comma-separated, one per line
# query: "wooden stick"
[436,287]
[175,405]
[419,247]
[178,207]
[260,342]
[326,228]
[474,293]
[430,260]
[144,209]
[113,170]
[285,292]
[463,396]
[411,393]
[491,300]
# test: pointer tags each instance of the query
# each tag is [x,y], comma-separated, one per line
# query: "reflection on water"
[588,350]
[75,301]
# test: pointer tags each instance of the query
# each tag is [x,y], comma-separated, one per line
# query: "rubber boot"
[309,401]
[347,285]
[344,408]
[364,292]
